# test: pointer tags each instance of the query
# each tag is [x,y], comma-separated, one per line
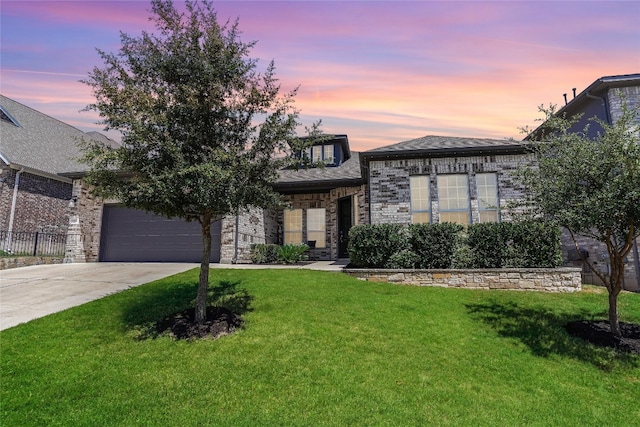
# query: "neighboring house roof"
[443,146]
[596,90]
[39,143]
[321,178]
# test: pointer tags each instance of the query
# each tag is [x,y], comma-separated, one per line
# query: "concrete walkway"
[28,293]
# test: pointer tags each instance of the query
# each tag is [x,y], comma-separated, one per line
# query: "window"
[328,154]
[453,198]
[316,226]
[317,153]
[420,200]
[293,226]
[487,184]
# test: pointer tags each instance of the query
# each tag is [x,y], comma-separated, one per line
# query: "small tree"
[591,187]
[200,125]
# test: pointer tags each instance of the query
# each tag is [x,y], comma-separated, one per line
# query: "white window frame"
[317,226]
[292,226]
[445,188]
[486,206]
[420,202]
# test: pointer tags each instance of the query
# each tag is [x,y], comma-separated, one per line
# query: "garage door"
[139,236]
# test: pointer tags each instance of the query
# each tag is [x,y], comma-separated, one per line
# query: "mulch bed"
[219,321]
[598,332]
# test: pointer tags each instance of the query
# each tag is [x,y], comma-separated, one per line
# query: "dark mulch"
[598,332]
[220,321]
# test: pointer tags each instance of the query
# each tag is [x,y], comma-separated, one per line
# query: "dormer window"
[322,153]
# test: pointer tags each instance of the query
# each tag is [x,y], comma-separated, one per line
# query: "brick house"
[427,179]
[35,149]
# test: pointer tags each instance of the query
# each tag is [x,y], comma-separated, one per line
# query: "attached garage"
[130,235]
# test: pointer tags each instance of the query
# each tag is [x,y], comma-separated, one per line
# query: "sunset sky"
[379,71]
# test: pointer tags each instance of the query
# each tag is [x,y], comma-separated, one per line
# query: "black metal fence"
[31,244]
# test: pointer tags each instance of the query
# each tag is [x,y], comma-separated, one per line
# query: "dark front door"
[344,225]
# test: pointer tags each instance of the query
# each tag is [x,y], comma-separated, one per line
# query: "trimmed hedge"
[442,246]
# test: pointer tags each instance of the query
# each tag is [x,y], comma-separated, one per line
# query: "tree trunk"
[615,286]
[203,284]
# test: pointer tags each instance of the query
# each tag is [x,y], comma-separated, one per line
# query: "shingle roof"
[448,144]
[39,142]
[348,173]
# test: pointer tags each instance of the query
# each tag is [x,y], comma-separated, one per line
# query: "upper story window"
[453,199]
[487,184]
[322,153]
[420,199]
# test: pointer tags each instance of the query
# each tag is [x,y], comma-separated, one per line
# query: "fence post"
[35,245]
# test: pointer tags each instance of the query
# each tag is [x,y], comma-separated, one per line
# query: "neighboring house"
[34,150]
[603,99]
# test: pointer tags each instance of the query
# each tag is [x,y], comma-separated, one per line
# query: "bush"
[372,245]
[264,253]
[434,244]
[290,254]
[404,259]
[535,244]
[531,244]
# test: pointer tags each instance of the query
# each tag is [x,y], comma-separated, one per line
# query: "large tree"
[204,133]
[591,187]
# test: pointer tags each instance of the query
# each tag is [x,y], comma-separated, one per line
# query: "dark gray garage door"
[135,235]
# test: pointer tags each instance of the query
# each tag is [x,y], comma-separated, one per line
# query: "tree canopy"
[204,133]
[590,186]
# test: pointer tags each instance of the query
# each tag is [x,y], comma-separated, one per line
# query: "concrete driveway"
[28,293]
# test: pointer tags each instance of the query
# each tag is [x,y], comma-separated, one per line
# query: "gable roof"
[319,179]
[39,143]
[444,146]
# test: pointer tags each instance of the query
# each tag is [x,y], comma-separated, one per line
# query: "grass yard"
[322,349]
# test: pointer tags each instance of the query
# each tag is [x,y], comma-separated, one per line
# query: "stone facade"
[534,279]
[252,228]
[85,224]
[615,96]
[389,183]
[42,204]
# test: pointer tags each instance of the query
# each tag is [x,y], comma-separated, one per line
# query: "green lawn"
[322,349]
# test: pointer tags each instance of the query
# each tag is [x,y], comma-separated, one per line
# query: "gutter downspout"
[605,110]
[12,214]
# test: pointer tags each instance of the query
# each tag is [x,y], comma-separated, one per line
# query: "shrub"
[487,244]
[534,244]
[434,244]
[264,253]
[403,260]
[290,254]
[372,245]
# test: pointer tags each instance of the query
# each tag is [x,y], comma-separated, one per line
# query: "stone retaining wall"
[538,279]
[15,262]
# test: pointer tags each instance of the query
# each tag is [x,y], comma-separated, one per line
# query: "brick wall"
[42,204]
[389,183]
[329,201]
[85,223]
[251,229]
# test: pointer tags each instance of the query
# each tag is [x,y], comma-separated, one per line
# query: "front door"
[344,225]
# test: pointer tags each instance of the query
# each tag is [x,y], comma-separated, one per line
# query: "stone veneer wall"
[329,201]
[251,229]
[85,223]
[389,183]
[538,279]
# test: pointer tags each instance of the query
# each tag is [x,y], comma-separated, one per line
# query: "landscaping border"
[564,279]
[15,262]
